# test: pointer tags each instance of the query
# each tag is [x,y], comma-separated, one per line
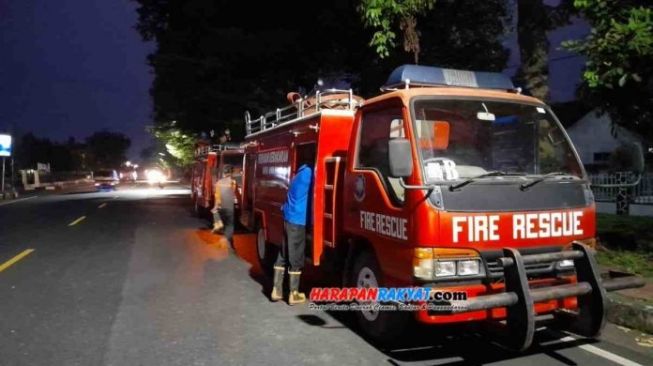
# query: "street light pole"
[3,176]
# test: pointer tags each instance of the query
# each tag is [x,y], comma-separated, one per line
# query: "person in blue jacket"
[296,215]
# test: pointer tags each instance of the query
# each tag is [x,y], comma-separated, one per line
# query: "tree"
[386,15]
[179,146]
[618,75]
[216,59]
[31,150]
[107,149]
[465,34]
[534,20]
[453,33]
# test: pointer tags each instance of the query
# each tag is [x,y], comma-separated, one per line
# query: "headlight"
[445,268]
[565,263]
[468,267]
[155,176]
[433,263]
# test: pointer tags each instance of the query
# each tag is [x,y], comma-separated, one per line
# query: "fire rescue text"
[524,226]
[383,224]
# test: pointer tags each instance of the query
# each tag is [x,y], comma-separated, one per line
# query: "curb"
[629,312]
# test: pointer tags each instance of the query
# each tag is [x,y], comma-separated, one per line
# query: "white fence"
[640,194]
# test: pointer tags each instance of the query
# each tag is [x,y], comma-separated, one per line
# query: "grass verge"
[626,260]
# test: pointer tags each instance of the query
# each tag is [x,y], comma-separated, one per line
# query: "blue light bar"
[436,76]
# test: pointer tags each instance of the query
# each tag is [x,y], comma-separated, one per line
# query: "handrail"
[206,149]
[300,108]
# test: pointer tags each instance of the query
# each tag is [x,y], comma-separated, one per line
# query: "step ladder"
[332,172]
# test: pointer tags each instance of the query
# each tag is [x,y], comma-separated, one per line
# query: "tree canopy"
[619,71]
[216,59]
[106,149]
[382,16]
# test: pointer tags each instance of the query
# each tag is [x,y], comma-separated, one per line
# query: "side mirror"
[400,158]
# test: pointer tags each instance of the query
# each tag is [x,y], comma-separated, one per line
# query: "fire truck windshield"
[462,138]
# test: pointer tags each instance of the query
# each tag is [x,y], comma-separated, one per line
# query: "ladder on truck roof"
[305,106]
[206,149]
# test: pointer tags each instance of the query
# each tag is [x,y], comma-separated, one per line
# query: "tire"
[382,327]
[266,253]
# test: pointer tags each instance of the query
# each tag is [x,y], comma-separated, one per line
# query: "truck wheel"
[380,326]
[266,253]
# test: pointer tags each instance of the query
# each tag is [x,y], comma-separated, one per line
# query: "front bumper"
[518,301]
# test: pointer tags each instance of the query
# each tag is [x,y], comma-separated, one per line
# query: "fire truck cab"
[210,161]
[450,180]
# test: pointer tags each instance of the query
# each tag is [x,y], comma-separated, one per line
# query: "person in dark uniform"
[295,215]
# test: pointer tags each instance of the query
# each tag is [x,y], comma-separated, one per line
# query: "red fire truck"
[449,179]
[209,163]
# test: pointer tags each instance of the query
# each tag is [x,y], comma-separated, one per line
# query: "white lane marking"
[77,221]
[102,205]
[17,200]
[597,351]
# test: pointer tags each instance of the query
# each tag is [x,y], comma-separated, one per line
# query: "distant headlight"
[155,176]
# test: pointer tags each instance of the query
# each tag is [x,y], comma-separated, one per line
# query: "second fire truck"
[210,160]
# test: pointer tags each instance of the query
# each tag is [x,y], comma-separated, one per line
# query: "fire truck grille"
[536,269]
[495,271]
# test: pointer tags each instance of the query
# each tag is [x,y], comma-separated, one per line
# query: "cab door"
[375,202]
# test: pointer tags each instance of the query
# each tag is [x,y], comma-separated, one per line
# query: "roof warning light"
[429,76]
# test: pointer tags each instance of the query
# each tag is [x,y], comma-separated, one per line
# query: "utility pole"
[3,176]
[5,150]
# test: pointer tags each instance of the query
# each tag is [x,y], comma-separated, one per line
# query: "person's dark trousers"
[227,217]
[292,253]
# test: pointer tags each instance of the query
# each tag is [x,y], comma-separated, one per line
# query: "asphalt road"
[131,278]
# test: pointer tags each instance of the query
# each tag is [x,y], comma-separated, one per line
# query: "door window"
[377,129]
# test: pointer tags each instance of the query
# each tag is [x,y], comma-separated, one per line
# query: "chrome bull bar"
[519,299]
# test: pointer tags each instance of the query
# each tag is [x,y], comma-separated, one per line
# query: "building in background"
[596,138]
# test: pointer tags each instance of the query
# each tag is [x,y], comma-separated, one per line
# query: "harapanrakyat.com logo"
[385,299]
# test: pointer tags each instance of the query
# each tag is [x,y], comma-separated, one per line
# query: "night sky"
[72,67]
